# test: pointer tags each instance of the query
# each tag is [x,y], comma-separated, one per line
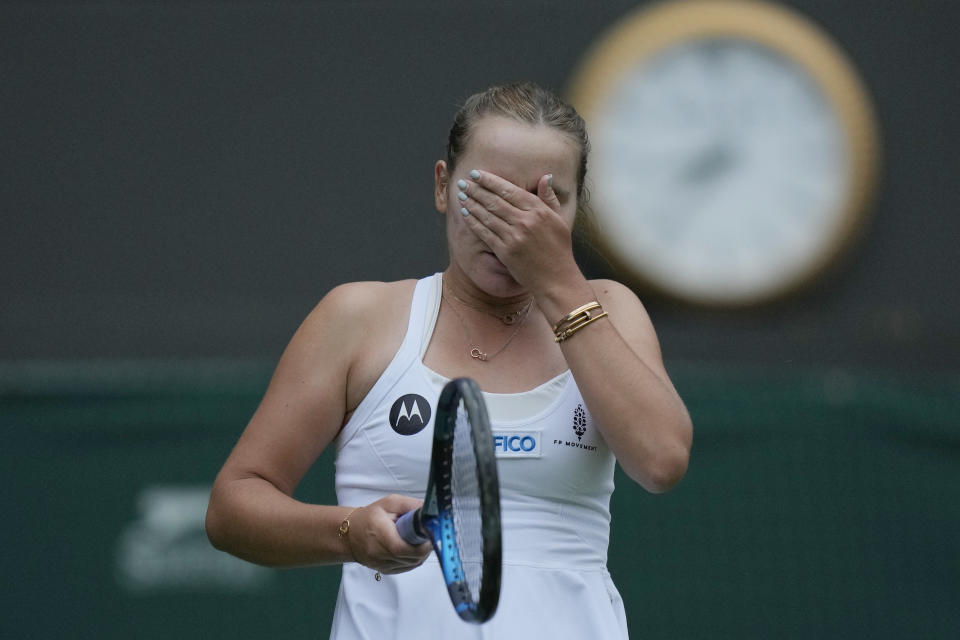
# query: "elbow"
[667,465]
[215,526]
[666,471]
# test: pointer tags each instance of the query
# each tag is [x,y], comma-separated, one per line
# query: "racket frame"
[434,520]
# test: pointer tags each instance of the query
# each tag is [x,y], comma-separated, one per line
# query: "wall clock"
[735,150]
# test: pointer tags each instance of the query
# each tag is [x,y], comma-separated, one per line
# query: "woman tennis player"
[571,373]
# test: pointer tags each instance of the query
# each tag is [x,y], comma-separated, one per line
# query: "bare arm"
[252,512]
[616,361]
[617,364]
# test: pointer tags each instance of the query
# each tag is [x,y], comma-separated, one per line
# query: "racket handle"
[408,526]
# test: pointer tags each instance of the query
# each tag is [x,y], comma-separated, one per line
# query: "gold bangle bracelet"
[585,309]
[570,330]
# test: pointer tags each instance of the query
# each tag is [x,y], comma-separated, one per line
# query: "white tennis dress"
[556,478]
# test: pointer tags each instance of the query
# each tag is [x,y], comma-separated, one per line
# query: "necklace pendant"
[477,354]
[510,318]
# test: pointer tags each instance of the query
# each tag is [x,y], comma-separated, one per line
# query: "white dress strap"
[422,317]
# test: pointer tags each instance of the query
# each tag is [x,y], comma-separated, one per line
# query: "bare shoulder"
[360,326]
[631,319]
[313,387]
[357,299]
[344,322]
[615,296]
[357,307]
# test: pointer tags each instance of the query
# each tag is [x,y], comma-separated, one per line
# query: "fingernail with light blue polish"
[464,211]
[550,179]
[462,196]
[462,184]
[475,174]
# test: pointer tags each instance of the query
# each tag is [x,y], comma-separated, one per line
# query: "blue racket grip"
[407,527]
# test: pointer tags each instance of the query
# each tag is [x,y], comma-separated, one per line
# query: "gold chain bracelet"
[345,525]
[342,532]
[344,529]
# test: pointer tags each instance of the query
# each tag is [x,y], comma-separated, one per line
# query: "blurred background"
[181,182]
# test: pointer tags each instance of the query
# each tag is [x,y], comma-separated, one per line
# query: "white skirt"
[535,602]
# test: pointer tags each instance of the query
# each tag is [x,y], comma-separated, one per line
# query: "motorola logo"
[409,414]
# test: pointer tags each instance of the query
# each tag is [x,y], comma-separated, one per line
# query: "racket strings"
[466,506]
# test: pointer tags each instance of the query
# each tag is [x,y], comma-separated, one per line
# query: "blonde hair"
[525,102]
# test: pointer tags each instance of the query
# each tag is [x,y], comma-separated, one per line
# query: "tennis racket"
[460,515]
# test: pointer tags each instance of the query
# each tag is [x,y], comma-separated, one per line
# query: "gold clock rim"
[639,36]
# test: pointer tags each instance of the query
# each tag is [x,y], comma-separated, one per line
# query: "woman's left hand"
[526,231]
[637,410]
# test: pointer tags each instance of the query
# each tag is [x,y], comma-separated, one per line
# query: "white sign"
[167,547]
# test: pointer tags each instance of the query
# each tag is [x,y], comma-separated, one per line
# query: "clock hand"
[709,165]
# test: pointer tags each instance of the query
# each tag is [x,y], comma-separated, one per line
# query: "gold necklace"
[506,318]
[475,351]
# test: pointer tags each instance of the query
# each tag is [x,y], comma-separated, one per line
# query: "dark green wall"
[821,504]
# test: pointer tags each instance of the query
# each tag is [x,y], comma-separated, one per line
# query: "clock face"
[718,169]
[734,148]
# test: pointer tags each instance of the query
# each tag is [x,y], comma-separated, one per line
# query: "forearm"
[632,401]
[640,415]
[252,519]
